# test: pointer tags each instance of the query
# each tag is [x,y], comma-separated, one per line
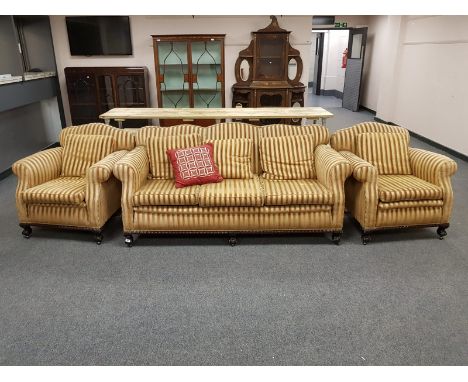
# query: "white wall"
[422,78]
[238,35]
[335,42]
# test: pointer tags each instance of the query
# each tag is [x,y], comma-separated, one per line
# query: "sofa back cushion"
[143,134]
[233,157]
[386,151]
[123,139]
[289,157]
[319,132]
[235,130]
[156,146]
[345,139]
[80,152]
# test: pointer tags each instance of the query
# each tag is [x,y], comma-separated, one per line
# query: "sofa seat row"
[277,178]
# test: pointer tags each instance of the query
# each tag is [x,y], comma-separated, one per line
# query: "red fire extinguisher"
[344,59]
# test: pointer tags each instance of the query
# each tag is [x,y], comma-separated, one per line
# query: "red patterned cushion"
[194,165]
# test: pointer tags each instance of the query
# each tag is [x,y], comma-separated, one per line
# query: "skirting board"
[429,141]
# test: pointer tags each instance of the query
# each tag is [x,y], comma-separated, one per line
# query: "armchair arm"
[436,169]
[362,171]
[431,167]
[101,171]
[332,170]
[38,168]
[132,170]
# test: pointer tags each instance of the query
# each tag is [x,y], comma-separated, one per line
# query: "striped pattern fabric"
[164,193]
[82,151]
[362,171]
[319,132]
[123,139]
[157,146]
[288,157]
[386,151]
[236,130]
[396,188]
[344,139]
[143,134]
[411,204]
[233,157]
[62,190]
[232,192]
[72,216]
[102,171]
[292,192]
[406,217]
[219,219]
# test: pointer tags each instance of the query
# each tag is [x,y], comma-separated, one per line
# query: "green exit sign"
[341,25]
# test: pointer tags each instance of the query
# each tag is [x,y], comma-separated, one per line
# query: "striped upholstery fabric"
[235,130]
[344,139]
[123,139]
[411,204]
[406,217]
[386,151]
[291,192]
[82,151]
[102,171]
[233,157]
[164,193]
[219,219]
[63,190]
[319,132]
[232,192]
[145,133]
[72,216]
[396,188]
[288,157]
[362,171]
[157,146]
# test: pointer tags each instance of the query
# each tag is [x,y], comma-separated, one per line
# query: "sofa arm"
[431,167]
[331,167]
[38,168]
[362,171]
[101,171]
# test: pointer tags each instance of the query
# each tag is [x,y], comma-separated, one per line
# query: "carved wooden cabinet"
[189,72]
[95,90]
[268,72]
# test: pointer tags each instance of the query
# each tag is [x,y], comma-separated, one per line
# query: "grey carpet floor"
[272,300]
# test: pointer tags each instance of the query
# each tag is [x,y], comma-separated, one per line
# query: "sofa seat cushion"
[163,192]
[232,192]
[63,190]
[288,192]
[396,188]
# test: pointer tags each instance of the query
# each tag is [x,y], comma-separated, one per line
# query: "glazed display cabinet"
[95,90]
[189,73]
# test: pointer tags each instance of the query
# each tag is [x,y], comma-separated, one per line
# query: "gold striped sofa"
[394,185]
[246,201]
[68,186]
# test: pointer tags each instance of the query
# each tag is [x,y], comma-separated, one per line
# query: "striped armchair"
[309,197]
[394,185]
[72,186]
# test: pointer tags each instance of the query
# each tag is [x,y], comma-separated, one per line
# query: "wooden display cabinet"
[268,72]
[189,73]
[94,90]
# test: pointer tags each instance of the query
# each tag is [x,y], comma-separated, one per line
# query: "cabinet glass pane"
[173,70]
[206,73]
[270,68]
[106,96]
[82,89]
[270,47]
[131,91]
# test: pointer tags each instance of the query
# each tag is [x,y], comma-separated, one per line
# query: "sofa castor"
[233,241]
[441,232]
[27,230]
[129,240]
[336,237]
[98,236]
[365,238]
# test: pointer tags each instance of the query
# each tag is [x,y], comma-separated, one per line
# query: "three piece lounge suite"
[270,179]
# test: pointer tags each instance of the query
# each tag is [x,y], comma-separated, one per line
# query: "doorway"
[334,82]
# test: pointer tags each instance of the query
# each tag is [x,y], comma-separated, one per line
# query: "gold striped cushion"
[287,192]
[80,152]
[143,134]
[396,188]
[160,166]
[232,192]
[63,190]
[288,157]
[411,204]
[233,157]
[164,193]
[320,132]
[386,151]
